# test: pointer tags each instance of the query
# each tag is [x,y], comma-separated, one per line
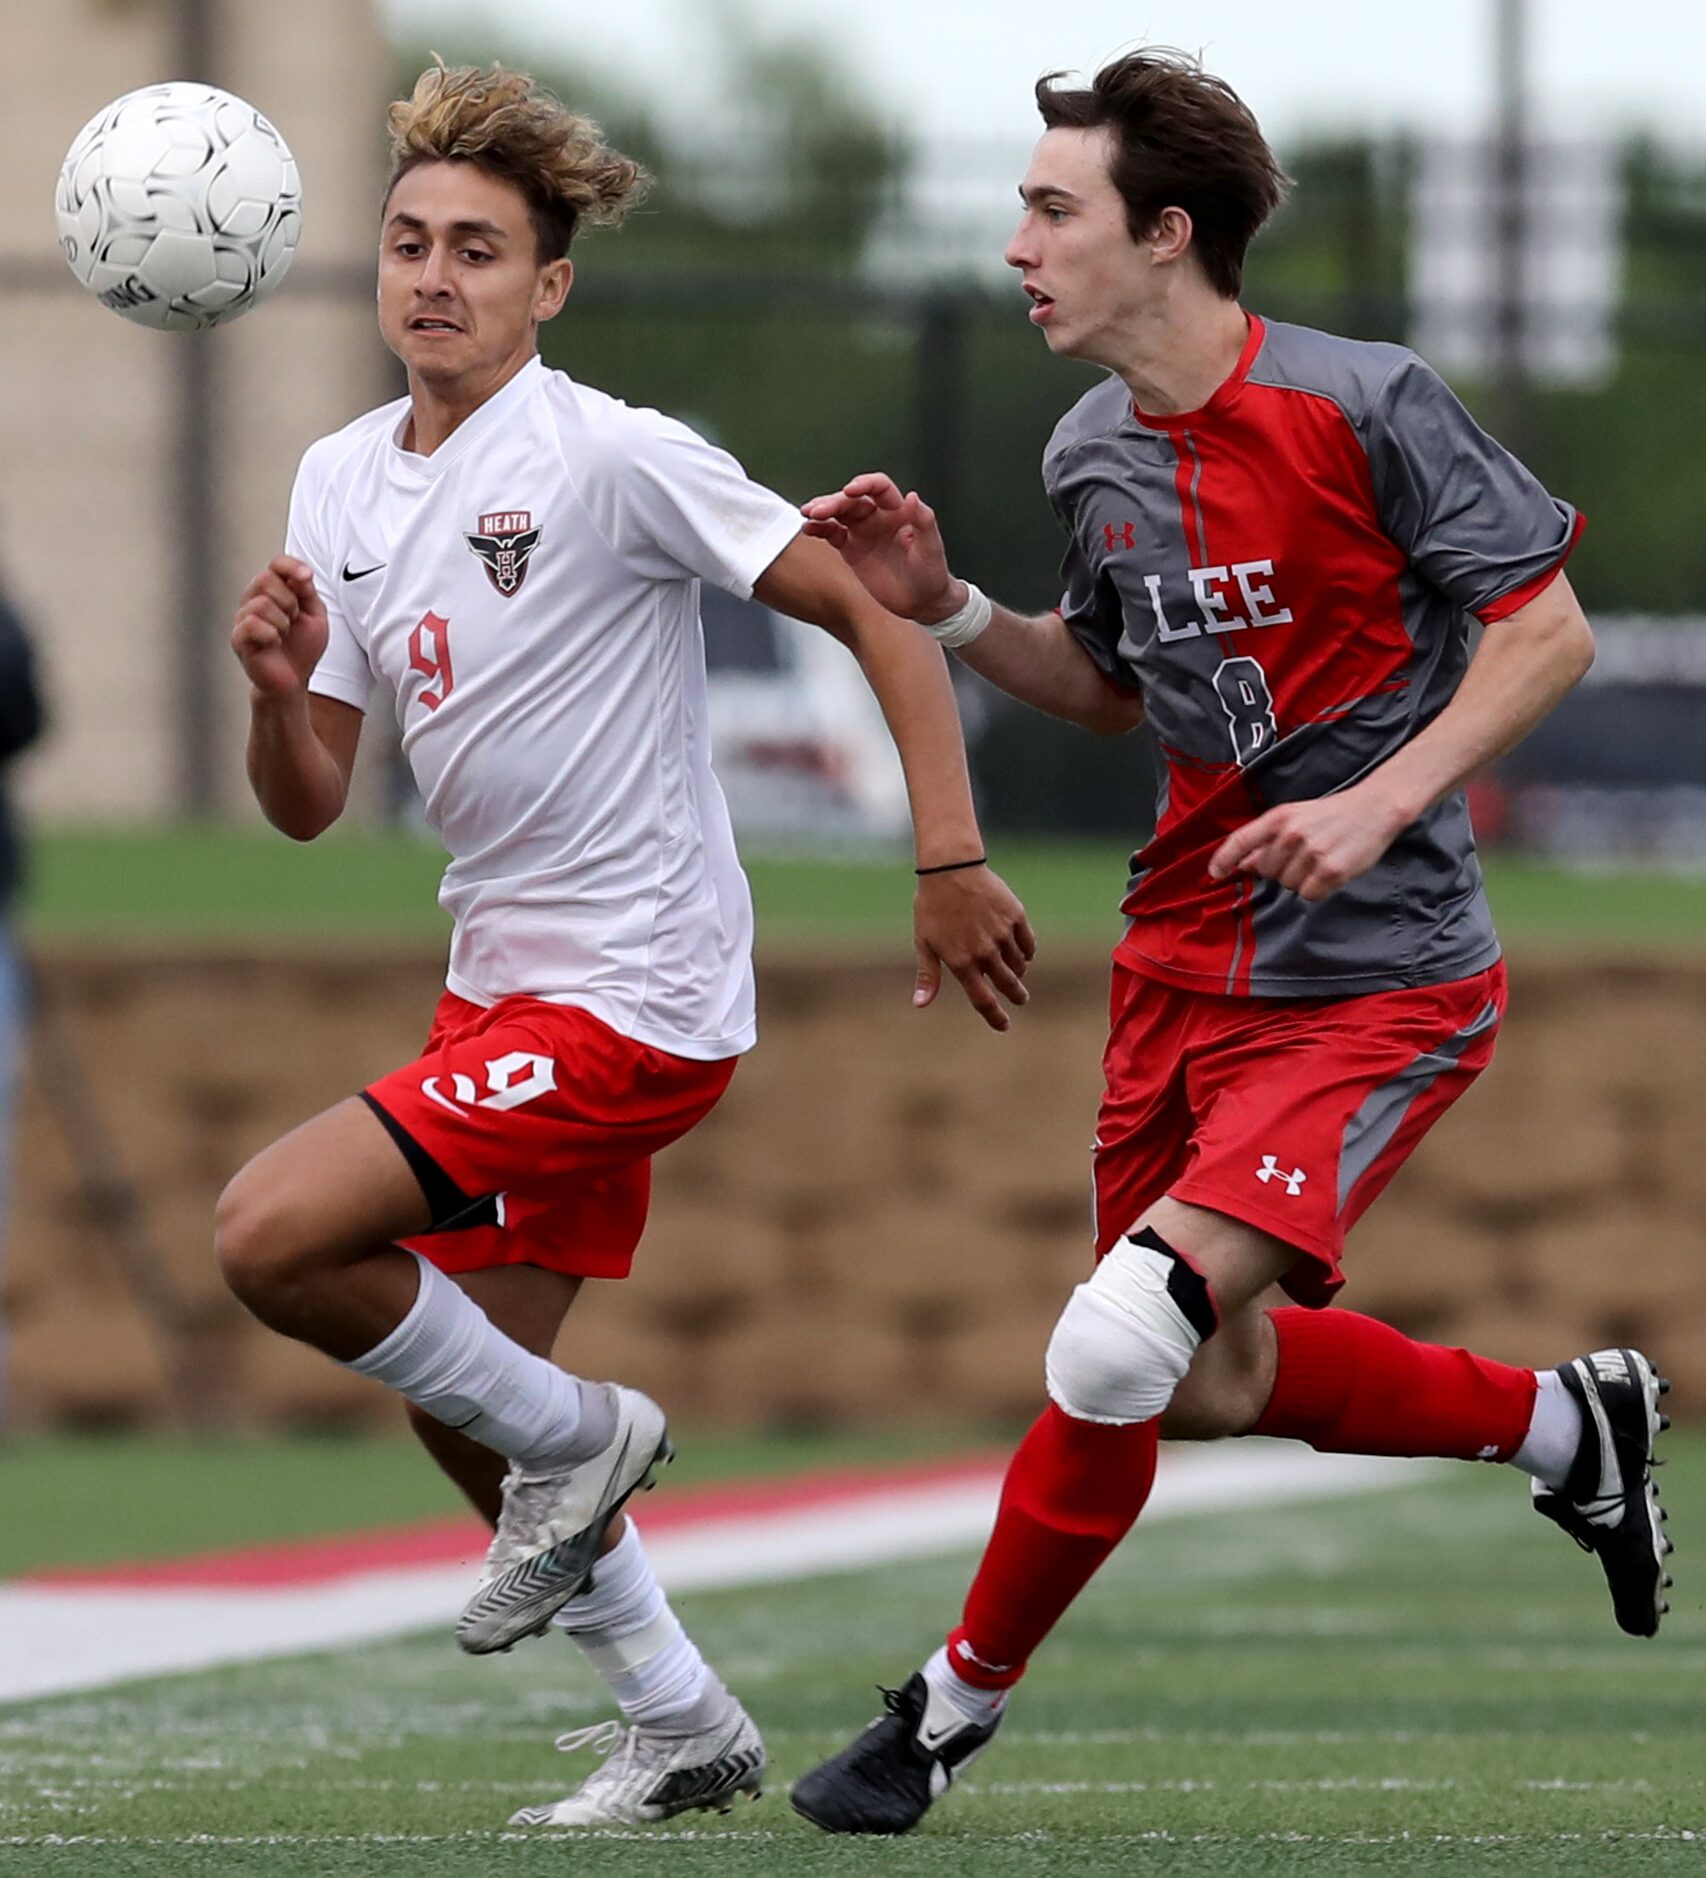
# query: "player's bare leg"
[1229,1382]
[687,1742]
[477,1472]
[303,1234]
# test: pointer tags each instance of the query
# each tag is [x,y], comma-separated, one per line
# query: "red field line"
[287,1562]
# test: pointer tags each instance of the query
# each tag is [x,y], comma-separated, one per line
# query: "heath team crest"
[505,541]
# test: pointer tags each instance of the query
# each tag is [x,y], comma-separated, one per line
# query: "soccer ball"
[179,206]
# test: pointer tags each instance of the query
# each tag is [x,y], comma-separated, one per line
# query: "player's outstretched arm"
[1036,660]
[892,542]
[1522,668]
[301,748]
[964,917]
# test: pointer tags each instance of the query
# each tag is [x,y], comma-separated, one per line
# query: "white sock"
[449,1358]
[628,1633]
[1554,1435]
[976,1705]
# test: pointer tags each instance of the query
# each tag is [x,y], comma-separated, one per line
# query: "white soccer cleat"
[551,1526]
[650,1775]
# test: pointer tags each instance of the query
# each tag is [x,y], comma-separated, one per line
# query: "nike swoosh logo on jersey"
[361,573]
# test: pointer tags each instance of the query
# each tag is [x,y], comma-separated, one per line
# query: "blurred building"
[146,474]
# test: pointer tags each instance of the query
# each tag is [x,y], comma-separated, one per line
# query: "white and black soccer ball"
[179,206]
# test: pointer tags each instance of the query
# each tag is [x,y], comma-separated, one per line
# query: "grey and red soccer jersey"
[1288,575]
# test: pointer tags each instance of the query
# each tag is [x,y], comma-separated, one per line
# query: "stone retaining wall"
[881,1219]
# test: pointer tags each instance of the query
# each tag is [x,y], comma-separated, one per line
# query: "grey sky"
[966,66]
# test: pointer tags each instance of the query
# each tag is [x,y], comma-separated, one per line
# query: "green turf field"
[1422,1680]
[102,1499]
[251,885]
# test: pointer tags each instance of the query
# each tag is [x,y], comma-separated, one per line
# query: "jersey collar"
[1225,394]
[477,424]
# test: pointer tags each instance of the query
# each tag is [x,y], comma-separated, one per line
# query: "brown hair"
[502,122]
[1182,139]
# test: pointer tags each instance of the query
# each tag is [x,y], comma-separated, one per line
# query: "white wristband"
[961,628]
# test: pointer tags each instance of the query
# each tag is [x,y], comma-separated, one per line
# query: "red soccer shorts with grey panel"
[1288,1114]
[531,1127]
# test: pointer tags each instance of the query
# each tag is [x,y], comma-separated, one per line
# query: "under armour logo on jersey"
[1119,535]
[1270,1169]
[505,541]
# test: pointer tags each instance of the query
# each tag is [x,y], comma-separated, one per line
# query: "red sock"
[1071,1493]
[1351,1385]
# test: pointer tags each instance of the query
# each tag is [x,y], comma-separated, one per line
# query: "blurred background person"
[21,723]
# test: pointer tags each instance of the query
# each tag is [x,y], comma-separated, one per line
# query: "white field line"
[658,1835]
[56,1639]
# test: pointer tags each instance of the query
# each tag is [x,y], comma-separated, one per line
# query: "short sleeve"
[343,672]
[683,509]
[1090,608]
[1472,519]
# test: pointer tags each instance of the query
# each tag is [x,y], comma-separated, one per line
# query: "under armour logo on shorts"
[1270,1169]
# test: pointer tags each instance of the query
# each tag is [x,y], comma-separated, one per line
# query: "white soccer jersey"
[529,595]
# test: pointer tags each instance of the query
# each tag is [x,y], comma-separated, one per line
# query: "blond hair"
[504,123]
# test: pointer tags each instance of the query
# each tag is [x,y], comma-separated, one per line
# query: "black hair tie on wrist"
[953,867]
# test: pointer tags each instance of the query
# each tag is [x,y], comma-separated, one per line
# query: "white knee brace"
[1128,1333]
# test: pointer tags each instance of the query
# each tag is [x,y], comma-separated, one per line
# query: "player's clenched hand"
[280,630]
[890,541]
[971,921]
[1313,848]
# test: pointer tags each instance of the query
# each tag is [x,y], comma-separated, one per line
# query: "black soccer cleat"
[1609,1505]
[886,1779]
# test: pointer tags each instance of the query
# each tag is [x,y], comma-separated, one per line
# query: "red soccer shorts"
[531,1127]
[1291,1115]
